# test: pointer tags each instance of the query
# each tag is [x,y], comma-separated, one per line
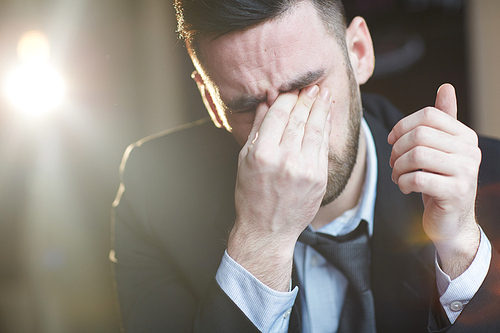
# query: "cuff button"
[456,306]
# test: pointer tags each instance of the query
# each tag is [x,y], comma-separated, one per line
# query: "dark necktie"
[351,255]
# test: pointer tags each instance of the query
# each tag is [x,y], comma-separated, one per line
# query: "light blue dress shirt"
[324,287]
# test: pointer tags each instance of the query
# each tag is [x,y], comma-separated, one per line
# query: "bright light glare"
[35,88]
[33,47]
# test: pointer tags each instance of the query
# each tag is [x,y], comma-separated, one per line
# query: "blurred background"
[82,79]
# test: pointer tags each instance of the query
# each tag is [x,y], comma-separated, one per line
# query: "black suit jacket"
[175,208]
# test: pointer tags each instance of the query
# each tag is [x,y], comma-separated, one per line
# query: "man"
[283,78]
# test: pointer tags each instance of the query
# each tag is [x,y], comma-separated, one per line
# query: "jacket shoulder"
[379,108]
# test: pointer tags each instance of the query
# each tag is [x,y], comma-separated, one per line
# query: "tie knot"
[351,255]
[348,253]
[310,237]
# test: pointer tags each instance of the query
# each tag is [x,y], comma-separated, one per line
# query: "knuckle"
[315,132]
[262,156]
[289,168]
[419,135]
[291,132]
[309,175]
[280,113]
[417,155]
[419,180]
[428,113]
[300,171]
[296,123]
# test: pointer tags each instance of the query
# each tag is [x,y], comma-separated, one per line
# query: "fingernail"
[325,94]
[312,91]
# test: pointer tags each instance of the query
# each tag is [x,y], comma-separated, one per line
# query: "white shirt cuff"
[269,310]
[455,294]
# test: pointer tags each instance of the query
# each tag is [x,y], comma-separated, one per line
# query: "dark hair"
[197,18]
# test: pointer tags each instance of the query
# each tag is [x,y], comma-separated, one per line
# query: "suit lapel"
[402,256]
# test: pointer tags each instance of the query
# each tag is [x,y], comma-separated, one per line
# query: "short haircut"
[199,18]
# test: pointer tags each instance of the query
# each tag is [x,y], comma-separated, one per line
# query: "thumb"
[446,100]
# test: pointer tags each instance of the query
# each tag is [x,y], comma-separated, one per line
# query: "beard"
[341,166]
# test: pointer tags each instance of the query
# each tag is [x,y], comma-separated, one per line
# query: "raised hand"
[435,154]
[282,177]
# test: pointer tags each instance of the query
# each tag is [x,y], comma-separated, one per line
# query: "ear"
[360,49]
[207,99]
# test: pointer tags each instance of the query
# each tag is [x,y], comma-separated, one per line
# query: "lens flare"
[34,87]
[33,47]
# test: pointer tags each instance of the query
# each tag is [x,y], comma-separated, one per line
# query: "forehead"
[267,56]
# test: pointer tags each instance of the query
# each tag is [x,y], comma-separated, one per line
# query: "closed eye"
[248,103]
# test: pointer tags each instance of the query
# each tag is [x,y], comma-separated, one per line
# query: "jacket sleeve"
[154,292]
[153,296]
[482,313]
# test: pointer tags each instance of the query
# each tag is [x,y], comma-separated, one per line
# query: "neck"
[351,194]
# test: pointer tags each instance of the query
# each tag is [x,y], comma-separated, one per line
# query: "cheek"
[240,126]
[338,84]
[340,125]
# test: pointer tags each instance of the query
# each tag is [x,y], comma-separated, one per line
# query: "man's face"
[245,68]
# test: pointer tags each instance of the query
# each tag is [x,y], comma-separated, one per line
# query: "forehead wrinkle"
[246,100]
[257,73]
[267,59]
[250,50]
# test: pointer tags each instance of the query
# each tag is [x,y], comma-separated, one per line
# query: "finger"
[315,126]
[423,136]
[427,159]
[430,117]
[446,100]
[294,131]
[276,119]
[445,191]
[437,186]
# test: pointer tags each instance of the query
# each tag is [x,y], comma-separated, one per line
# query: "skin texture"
[283,89]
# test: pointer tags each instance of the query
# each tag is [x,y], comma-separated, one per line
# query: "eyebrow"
[245,102]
